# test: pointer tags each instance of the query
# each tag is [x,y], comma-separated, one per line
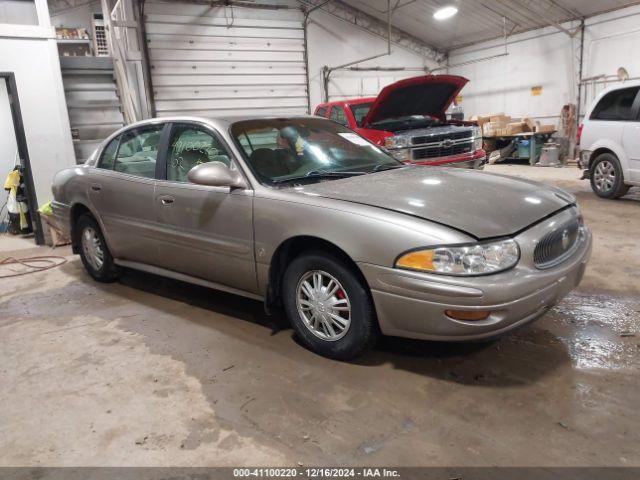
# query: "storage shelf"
[73,40]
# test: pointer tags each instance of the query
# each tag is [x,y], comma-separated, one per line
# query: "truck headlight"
[397,146]
[396,141]
[463,260]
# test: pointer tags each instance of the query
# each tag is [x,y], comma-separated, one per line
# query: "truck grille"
[557,245]
[440,137]
[441,151]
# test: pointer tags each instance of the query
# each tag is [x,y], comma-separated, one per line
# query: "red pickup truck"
[408,118]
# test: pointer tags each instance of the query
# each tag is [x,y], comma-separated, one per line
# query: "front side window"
[281,150]
[189,146]
[108,157]
[339,115]
[138,151]
[616,105]
[360,111]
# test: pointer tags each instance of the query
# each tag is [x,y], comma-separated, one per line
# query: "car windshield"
[360,111]
[283,150]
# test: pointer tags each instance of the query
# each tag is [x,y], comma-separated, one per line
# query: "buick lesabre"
[304,214]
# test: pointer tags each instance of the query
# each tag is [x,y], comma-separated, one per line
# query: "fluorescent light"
[445,12]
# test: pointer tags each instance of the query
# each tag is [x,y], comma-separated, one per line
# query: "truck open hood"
[426,95]
[481,204]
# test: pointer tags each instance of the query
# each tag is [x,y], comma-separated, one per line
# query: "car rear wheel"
[329,306]
[95,255]
[607,180]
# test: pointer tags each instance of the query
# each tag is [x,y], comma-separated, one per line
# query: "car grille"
[557,245]
[440,137]
[441,151]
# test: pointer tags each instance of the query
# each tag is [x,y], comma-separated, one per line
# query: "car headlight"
[463,260]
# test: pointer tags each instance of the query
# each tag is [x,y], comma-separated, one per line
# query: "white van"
[609,140]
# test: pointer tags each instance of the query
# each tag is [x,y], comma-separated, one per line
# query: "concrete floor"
[150,371]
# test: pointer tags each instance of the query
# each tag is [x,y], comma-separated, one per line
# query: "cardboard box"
[483,119]
[500,117]
[516,127]
[531,125]
[492,129]
[545,128]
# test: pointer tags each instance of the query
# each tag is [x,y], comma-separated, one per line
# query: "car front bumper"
[413,304]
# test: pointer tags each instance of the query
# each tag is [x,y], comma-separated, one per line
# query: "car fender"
[70,187]
[366,234]
[605,144]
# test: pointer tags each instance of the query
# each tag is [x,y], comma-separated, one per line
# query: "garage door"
[215,61]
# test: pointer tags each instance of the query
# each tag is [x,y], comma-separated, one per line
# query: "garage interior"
[151,371]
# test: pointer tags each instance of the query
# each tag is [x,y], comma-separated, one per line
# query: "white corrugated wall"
[216,61]
[547,58]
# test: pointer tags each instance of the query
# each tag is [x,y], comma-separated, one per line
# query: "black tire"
[608,161]
[108,271]
[362,332]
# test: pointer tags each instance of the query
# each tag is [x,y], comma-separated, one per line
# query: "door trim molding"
[186,278]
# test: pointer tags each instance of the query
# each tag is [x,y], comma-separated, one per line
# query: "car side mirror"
[216,174]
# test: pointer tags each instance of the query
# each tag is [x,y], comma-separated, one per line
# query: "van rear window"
[616,105]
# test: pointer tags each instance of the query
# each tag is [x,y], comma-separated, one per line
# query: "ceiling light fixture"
[445,12]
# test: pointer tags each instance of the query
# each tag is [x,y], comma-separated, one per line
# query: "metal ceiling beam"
[549,20]
[377,27]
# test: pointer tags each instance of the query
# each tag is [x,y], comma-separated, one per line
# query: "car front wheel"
[95,255]
[329,306]
[607,180]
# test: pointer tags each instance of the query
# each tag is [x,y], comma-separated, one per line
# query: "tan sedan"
[305,214]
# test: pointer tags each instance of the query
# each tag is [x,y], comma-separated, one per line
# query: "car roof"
[620,86]
[227,119]
[352,101]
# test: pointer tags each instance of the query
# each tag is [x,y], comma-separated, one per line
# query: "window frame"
[161,171]
[633,111]
[102,152]
[161,144]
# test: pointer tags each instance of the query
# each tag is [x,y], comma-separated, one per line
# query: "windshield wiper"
[317,174]
[381,167]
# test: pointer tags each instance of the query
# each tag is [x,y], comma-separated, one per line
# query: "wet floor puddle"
[599,331]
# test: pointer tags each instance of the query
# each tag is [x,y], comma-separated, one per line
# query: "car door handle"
[96,187]
[167,200]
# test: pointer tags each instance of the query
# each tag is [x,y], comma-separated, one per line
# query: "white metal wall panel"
[92,101]
[216,61]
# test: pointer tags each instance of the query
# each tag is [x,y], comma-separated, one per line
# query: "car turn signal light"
[417,260]
[468,315]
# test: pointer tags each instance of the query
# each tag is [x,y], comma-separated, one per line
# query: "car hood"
[481,204]
[427,95]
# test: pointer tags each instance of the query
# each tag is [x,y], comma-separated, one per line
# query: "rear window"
[321,112]
[616,105]
[360,111]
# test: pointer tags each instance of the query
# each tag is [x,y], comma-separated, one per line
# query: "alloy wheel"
[604,176]
[92,248]
[323,305]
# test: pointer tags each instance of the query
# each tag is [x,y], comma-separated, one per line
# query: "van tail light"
[579,134]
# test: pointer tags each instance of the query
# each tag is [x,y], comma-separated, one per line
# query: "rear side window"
[109,155]
[321,112]
[338,115]
[616,105]
[138,151]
